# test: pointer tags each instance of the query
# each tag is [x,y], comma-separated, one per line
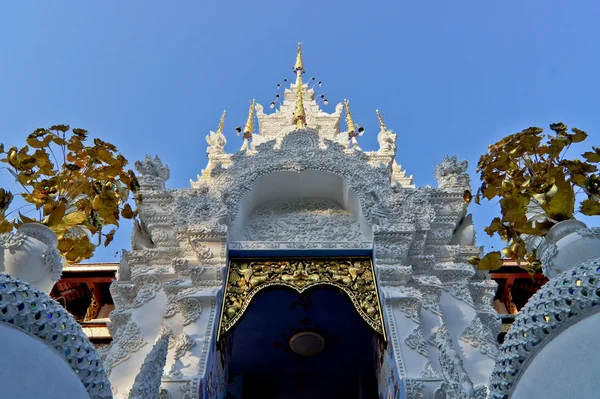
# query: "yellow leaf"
[592,156]
[82,249]
[474,260]
[57,214]
[75,145]
[590,207]
[579,135]
[35,143]
[64,245]
[109,237]
[127,212]
[495,226]
[107,205]
[106,156]
[527,229]
[513,208]
[70,220]
[491,261]
[579,179]
[25,219]
[489,192]
[562,204]
[59,141]
[5,225]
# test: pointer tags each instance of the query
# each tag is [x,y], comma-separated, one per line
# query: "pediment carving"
[302,219]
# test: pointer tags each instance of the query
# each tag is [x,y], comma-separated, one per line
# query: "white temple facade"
[303,266]
[302,190]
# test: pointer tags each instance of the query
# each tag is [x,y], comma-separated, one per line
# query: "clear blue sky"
[450,77]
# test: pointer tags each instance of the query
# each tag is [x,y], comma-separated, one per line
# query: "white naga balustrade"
[550,350]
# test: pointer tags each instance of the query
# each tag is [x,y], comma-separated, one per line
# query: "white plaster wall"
[290,185]
[567,367]
[31,369]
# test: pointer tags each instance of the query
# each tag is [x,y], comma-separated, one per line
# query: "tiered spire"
[380,119]
[248,129]
[221,123]
[299,112]
[349,121]
[299,66]
[353,132]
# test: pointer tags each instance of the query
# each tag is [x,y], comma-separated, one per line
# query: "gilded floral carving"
[353,275]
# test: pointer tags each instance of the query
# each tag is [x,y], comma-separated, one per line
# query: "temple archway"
[295,345]
[299,325]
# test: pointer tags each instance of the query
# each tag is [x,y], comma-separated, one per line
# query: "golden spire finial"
[299,66]
[299,112]
[221,123]
[381,123]
[349,121]
[250,122]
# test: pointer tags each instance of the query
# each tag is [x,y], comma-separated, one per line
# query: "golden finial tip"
[349,121]
[221,123]
[380,119]
[250,122]
[299,65]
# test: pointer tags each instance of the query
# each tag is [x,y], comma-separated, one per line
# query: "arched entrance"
[301,314]
[309,345]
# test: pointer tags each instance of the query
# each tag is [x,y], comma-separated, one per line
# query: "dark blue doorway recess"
[264,366]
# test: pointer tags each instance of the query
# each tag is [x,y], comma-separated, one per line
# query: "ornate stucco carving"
[417,342]
[147,382]
[479,336]
[457,382]
[127,338]
[304,220]
[414,388]
[452,173]
[182,344]
[153,173]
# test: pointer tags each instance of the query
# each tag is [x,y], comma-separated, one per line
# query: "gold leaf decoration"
[536,185]
[89,190]
[491,261]
[353,276]
[590,207]
[467,196]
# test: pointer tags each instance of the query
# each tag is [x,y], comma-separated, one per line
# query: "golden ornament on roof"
[248,129]
[380,119]
[221,124]
[349,121]
[299,111]
[299,65]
